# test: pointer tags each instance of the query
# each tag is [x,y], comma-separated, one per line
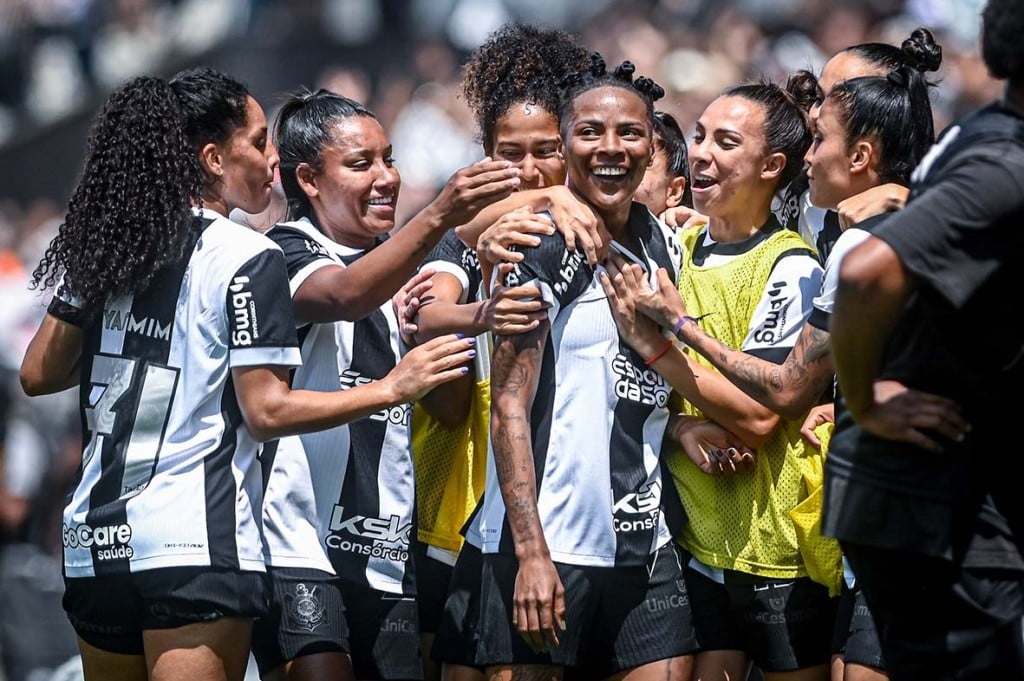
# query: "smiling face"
[527,135]
[608,147]
[247,164]
[728,159]
[355,193]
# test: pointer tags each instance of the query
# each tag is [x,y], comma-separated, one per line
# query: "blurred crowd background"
[59,58]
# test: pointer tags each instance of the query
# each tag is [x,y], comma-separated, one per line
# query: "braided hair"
[130,212]
[597,75]
[518,63]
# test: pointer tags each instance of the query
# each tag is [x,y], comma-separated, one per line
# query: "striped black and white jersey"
[598,417]
[347,491]
[169,474]
[453,257]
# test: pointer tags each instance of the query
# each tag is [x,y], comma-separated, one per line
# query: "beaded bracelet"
[660,353]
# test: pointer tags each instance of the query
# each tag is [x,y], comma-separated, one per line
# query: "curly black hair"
[130,212]
[518,63]
[597,75]
[1001,45]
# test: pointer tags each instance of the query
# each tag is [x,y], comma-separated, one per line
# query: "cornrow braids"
[518,63]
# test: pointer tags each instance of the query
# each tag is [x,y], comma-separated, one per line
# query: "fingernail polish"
[472,353]
[471,341]
[460,336]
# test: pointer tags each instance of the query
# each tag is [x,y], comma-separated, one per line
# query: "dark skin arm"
[873,289]
[539,598]
[50,364]
[350,293]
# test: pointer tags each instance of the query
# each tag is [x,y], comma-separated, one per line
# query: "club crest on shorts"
[306,607]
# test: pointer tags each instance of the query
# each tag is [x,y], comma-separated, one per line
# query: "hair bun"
[921,50]
[649,87]
[803,90]
[597,65]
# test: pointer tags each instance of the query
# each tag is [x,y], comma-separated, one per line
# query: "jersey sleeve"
[560,274]
[825,301]
[260,319]
[784,307]
[453,257]
[303,255]
[940,235]
[66,306]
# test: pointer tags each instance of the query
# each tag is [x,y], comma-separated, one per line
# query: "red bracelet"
[660,353]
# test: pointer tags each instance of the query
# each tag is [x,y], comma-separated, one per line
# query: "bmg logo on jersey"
[245,325]
[645,502]
[386,538]
[644,386]
[774,323]
[111,541]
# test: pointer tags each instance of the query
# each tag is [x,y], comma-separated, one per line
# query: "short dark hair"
[1002,46]
[670,140]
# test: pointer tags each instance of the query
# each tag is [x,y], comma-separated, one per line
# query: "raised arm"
[350,293]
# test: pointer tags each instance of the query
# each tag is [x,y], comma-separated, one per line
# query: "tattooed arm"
[539,599]
[790,388]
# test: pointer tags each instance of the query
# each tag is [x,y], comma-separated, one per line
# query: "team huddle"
[599,410]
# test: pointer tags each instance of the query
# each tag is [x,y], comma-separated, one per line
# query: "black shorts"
[855,637]
[458,633]
[433,581]
[306,617]
[781,624]
[616,618]
[933,616]
[384,634]
[111,612]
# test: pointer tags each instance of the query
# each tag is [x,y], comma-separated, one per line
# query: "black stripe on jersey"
[260,312]
[830,231]
[221,522]
[703,249]
[634,518]
[268,452]
[451,250]
[372,359]
[147,328]
[643,225]
[300,249]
